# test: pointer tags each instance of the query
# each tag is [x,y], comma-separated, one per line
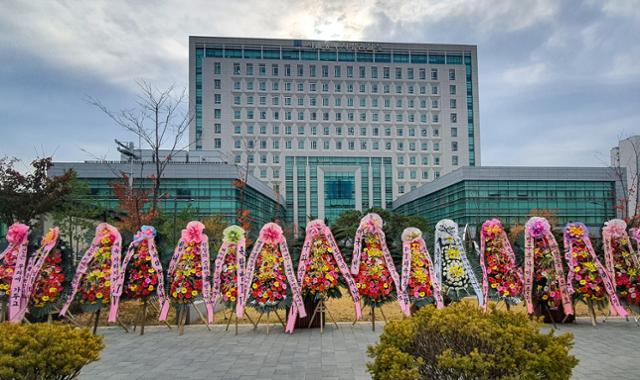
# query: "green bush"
[45,351]
[463,342]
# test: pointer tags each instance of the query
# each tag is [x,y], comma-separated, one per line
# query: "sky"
[559,81]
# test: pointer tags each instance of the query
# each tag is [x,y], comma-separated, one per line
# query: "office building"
[333,125]
[472,195]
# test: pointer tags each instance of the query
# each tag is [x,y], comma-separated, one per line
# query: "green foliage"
[462,342]
[24,197]
[45,351]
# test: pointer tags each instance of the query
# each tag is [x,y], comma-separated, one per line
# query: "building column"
[370,184]
[307,180]
[383,202]
[295,195]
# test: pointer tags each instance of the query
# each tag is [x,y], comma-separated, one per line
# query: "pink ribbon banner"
[406,269]
[317,229]
[102,230]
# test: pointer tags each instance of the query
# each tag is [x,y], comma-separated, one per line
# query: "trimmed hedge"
[45,351]
[463,342]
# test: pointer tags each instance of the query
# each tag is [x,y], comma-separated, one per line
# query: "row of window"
[337,116]
[337,145]
[412,161]
[387,102]
[338,71]
[373,88]
[337,130]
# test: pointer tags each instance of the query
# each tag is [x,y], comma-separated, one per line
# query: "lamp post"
[128,151]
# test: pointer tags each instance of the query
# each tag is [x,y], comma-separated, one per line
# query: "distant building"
[201,181]
[625,158]
[473,195]
[335,125]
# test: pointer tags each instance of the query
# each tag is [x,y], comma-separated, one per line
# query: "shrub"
[45,351]
[463,342]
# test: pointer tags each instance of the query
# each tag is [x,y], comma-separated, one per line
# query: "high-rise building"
[335,125]
[625,160]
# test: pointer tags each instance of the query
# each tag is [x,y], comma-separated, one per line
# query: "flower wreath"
[544,280]
[43,280]
[189,271]
[321,268]
[453,270]
[229,271]
[501,276]
[418,280]
[141,273]
[13,261]
[587,279]
[270,282]
[99,268]
[622,262]
[375,273]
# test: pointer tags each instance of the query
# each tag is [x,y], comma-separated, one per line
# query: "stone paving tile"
[611,350]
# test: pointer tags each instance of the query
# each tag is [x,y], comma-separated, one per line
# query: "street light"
[128,151]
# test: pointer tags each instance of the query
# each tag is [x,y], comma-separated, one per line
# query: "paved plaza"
[610,351]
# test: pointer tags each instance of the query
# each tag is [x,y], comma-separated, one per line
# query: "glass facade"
[325,187]
[206,196]
[474,201]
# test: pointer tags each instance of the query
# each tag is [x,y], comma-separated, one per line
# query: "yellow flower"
[582,282]
[456,271]
[183,290]
[254,286]
[276,284]
[98,295]
[494,285]
[107,283]
[576,269]
[174,294]
[45,298]
[194,293]
[53,290]
[233,299]
[132,287]
[544,297]
[151,270]
[453,253]
[150,288]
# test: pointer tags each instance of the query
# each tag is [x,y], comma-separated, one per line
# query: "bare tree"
[158,119]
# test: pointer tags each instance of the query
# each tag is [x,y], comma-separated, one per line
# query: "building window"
[274,70]
[374,72]
[236,69]
[454,117]
[217,128]
[434,74]
[452,74]
[262,69]
[217,68]
[454,132]
[217,84]
[249,68]
[217,143]
[401,189]
[453,103]
[454,146]
[452,89]
[217,113]
[454,160]
[217,99]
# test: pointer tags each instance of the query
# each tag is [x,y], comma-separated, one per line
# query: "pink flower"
[538,227]
[615,228]
[271,233]
[316,227]
[636,234]
[193,232]
[17,233]
[371,222]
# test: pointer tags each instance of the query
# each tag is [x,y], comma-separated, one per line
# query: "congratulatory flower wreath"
[13,259]
[98,269]
[418,280]
[453,270]
[501,276]
[189,271]
[544,281]
[623,264]
[588,280]
[270,282]
[322,269]
[229,271]
[375,273]
[43,286]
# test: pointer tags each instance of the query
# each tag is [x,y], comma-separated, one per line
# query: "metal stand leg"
[204,320]
[97,320]
[592,313]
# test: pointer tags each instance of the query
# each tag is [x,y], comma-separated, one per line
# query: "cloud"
[548,69]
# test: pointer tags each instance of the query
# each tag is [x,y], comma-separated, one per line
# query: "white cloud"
[531,74]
